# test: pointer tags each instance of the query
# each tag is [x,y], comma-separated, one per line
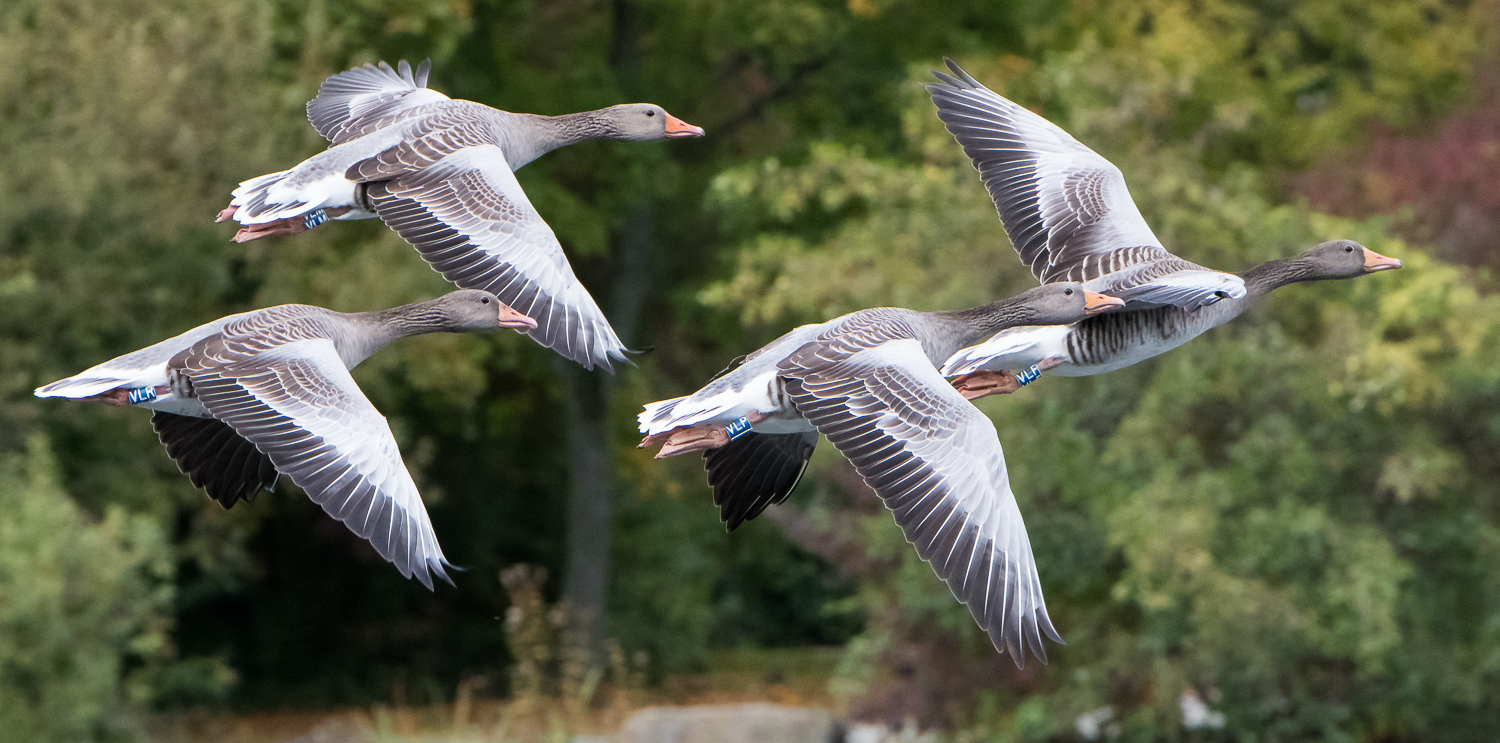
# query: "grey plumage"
[1104,343]
[242,398]
[440,173]
[868,381]
[1067,210]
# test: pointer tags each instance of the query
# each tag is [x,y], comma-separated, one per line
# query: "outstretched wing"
[454,198]
[1066,209]
[756,470]
[225,464]
[297,403]
[936,462]
[348,101]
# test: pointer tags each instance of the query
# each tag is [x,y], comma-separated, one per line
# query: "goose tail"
[656,413]
[79,387]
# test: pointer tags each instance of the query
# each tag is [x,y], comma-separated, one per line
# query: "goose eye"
[1348,248]
[1068,291]
[650,112]
[484,300]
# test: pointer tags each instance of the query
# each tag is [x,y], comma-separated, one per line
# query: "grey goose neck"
[364,333]
[1274,274]
[981,322]
[526,137]
[1061,303]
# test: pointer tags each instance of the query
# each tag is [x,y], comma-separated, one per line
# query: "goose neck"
[412,319]
[977,323]
[526,137]
[573,128]
[1274,274]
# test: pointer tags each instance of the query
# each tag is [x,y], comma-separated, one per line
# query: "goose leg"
[692,438]
[985,383]
[288,226]
[702,436]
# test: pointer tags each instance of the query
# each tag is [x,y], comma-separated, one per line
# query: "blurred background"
[1292,522]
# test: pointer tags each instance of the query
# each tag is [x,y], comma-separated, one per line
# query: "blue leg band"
[1029,376]
[738,428]
[314,218]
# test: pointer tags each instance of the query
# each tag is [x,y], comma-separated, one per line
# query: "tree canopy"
[1294,516]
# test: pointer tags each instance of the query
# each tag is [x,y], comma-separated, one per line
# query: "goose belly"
[317,182]
[172,394]
[153,387]
[762,394]
[1114,341]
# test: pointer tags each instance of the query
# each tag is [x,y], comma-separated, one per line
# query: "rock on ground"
[729,723]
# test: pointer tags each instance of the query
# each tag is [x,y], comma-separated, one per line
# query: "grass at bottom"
[787,676]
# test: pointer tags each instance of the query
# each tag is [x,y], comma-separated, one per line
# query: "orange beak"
[1377,262]
[509,318]
[677,128]
[1093,303]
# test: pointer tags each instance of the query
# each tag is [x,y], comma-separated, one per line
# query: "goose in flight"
[441,173]
[248,397]
[1070,217]
[1102,344]
[869,382]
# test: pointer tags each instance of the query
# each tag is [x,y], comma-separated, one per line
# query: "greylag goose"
[440,173]
[1070,217]
[1067,210]
[1103,344]
[869,382]
[245,397]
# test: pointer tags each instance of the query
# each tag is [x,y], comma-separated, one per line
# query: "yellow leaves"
[864,8]
[1423,469]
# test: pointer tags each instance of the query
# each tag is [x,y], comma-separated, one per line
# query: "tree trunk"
[586,416]
[586,409]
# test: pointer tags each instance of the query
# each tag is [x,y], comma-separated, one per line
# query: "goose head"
[1063,303]
[475,310]
[644,122]
[1343,259]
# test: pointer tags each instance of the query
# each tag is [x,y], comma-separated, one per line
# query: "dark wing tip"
[946,84]
[423,572]
[437,567]
[966,80]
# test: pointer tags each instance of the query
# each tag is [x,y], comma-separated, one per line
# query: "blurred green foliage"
[1294,515]
[82,607]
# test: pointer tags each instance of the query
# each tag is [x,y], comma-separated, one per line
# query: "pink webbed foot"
[985,383]
[684,440]
[288,226]
[227,213]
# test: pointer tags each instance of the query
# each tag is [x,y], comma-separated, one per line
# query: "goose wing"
[756,470]
[225,464]
[352,104]
[1067,209]
[936,462]
[297,403]
[450,193]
